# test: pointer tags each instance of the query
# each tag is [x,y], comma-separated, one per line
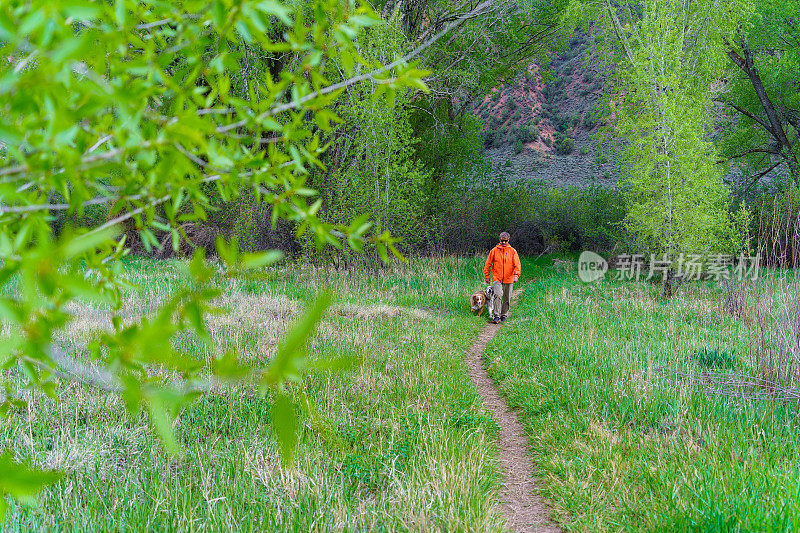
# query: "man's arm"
[487,266]
[517,267]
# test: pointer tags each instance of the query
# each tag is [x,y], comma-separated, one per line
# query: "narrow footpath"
[523,507]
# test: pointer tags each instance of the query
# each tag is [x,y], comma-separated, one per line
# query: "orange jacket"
[504,264]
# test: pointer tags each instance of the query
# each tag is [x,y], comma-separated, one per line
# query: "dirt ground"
[523,507]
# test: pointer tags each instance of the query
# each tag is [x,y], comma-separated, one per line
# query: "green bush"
[518,146]
[488,137]
[564,145]
[526,134]
[564,220]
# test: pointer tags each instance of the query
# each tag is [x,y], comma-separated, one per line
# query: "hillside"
[540,127]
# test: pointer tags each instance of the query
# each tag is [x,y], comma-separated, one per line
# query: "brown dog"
[478,303]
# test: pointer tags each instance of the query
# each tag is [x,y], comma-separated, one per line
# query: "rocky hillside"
[539,130]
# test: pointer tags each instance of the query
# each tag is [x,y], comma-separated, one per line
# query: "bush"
[560,122]
[572,219]
[527,133]
[518,146]
[498,138]
[548,140]
[518,115]
[488,137]
[564,145]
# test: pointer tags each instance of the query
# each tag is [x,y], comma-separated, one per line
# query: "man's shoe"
[503,318]
[495,320]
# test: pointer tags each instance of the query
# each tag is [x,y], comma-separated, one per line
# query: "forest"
[240,239]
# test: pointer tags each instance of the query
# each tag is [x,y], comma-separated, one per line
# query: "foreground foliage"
[134,106]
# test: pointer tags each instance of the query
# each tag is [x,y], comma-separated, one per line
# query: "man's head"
[504,237]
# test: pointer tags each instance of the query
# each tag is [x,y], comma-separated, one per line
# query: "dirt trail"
[523,508]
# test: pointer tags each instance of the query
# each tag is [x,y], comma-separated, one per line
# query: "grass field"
[620,441]
[622,445]
[405,446]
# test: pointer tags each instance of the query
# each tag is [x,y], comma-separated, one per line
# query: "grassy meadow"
[402,444]
[623,443]
[621,440]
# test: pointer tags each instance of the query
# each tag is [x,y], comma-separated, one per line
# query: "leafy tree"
[371,168]
[140,106]
[762,94]
[669,54]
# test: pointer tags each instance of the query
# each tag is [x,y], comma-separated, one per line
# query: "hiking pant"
[502,297]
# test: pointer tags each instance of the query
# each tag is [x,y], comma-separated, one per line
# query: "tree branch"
[368,75]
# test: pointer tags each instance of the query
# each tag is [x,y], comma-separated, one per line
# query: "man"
[503,262]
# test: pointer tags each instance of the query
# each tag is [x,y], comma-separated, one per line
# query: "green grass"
[622,446]
[403,444]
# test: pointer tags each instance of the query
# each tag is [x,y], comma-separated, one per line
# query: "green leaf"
[258,260]
[120,12]
[291,354]
[283,418]
[365,20]
[159,404]
[22,481]
[89,241]
[79,9]
[229,366]
[274,8]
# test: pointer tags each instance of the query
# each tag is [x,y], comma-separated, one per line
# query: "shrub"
[488,137]
[584,150]
[587,77]
[548,140]
[518,146]
[518,115]
[564,145]
[497,141]
[570,219]
[527,133]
